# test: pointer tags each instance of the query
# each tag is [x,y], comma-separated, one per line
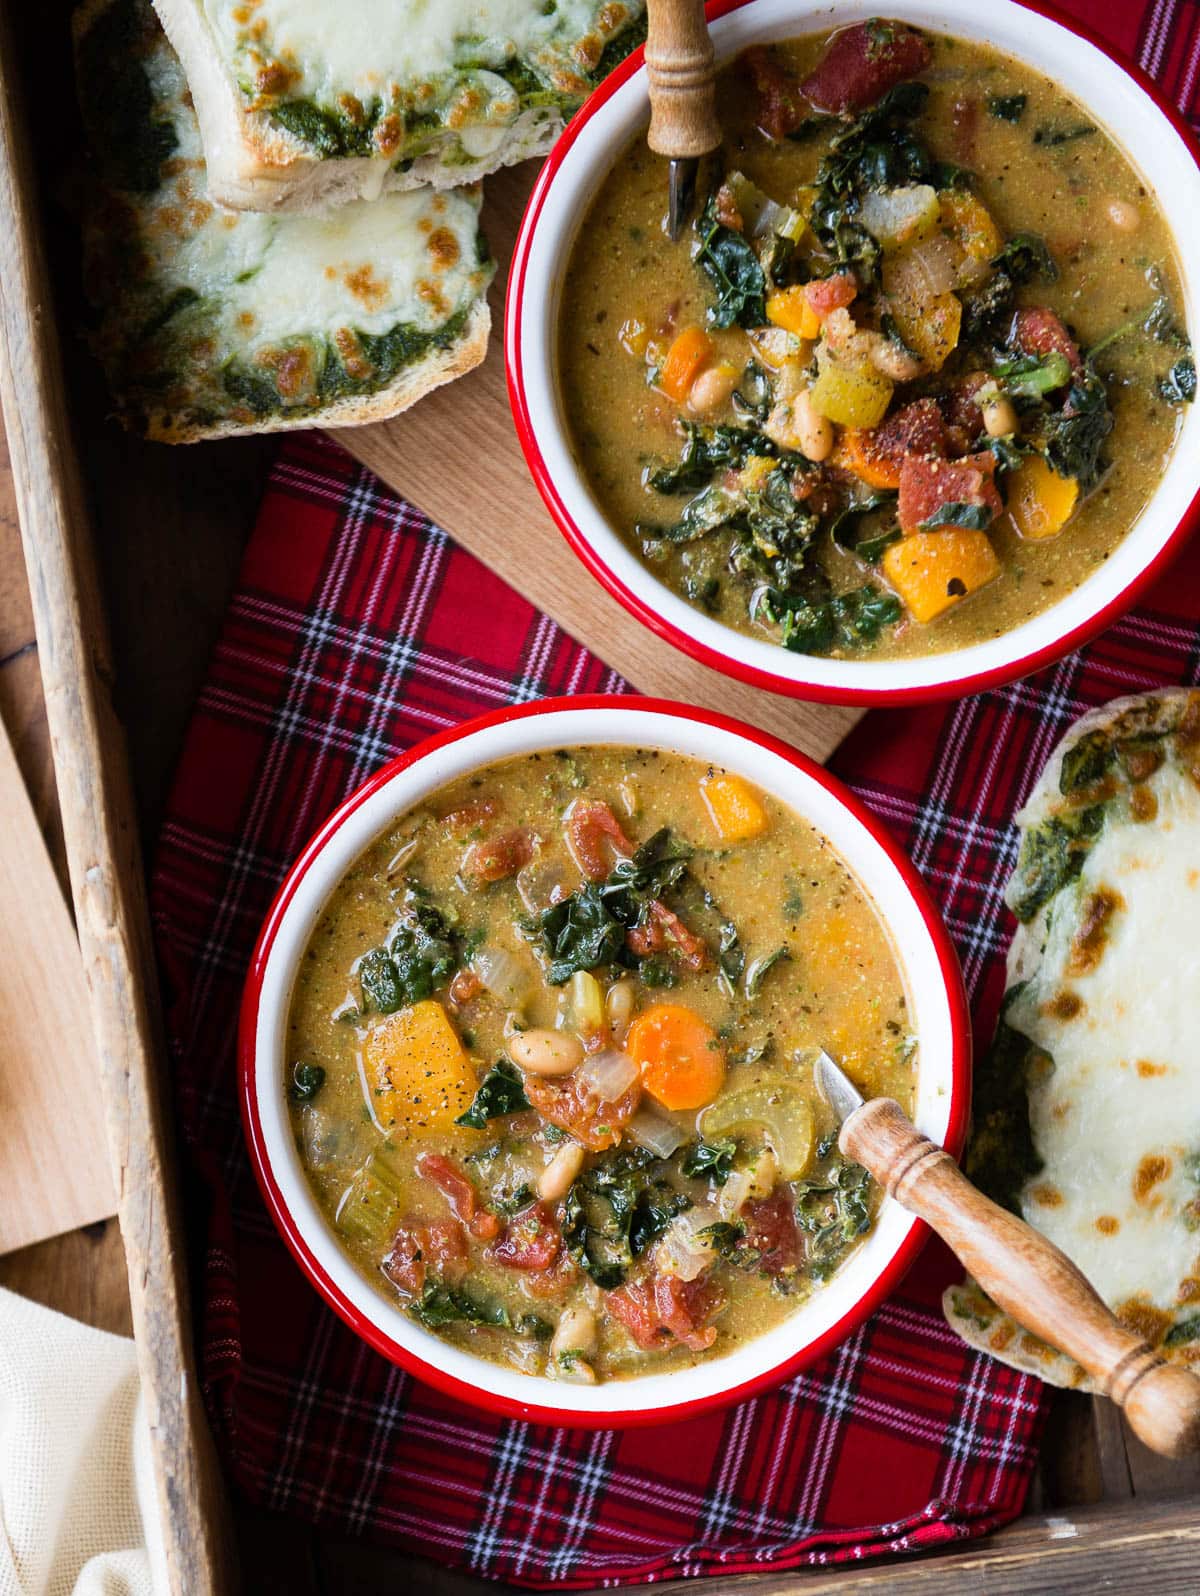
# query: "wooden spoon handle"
[682,76]
[1027,1276]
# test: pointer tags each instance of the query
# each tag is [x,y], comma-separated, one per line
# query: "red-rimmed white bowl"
[935,993]
[1120,97]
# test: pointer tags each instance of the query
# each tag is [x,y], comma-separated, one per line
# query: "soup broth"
[911,376]
[550,1061]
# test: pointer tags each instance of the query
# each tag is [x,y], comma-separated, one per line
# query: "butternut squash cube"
[789,309]
[1040,502]
[928,322]
[415,1067]
[733,807]
[968,221]
[933,570]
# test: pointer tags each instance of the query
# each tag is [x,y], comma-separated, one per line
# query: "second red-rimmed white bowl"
[935,994]
[1121,98]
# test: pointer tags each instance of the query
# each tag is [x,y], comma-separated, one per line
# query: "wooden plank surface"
[54,1173]
[104,863]
[456,456]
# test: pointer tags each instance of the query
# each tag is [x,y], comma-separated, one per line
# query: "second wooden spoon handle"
[1027,1276]
[682,77]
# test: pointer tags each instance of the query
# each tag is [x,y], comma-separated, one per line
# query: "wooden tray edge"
[105,865]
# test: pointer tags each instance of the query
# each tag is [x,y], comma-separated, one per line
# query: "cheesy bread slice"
[211,321]
[1087,1109]
[307,103]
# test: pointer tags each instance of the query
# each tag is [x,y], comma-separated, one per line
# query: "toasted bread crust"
[413,383]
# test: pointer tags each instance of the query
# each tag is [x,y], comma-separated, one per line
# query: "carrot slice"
[691,351]
[681,1061]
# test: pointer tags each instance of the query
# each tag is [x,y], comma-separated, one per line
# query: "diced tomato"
[876,454]
[549,1282]
[468,816]
[831,293]
[664,932]
[594,835]
[727,212]
[500,857]
[1040,332]
[421,1247]
[780,107]
[771,1232]
[964,418]
[926,485]
[530,1241]
[663,1309]
[863,62]
[458,1191]
[572,1106]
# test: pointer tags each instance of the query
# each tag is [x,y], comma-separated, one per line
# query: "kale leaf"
[845,523]
[707,450]
[1024,257]
[758,971]
[500,1092]
[1033,376]
[1052,856]
[850,619]
[307,1080]
[833,1209]
[1001,1155]
[580,933]
[1179,385]
[976,517]
[1183,1331]
[714,1159]
[615,1210]
[733,268]
[1075,434]
[423,954]
[440,1305]
[1007,107]
[1086,762]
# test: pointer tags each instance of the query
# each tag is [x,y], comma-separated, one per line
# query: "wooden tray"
[171,525]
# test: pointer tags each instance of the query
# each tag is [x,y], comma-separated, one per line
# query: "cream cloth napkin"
[77,1505]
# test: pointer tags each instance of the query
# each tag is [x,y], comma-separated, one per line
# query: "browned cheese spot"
[389,133]
[1108,1224]
[1000,1337]
[293,370]
[433,296]
[1087,949]
[1148,1071]
[1154,1167]
[1047,1195]
[368,289]
[348,347]
[1143,805]
[275,78]
[352,107]
[1144,1319]
[1064,1005]
[1139,760]
[1187,738]
[1189,1290]
[443,246]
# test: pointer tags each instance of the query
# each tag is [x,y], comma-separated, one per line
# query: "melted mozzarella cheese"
[403,258]
[1118,1116]
[368,45]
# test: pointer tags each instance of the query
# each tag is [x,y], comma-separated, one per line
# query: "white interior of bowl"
[1110,96]
[646,729]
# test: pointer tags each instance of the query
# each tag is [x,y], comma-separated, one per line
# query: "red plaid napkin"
[358,629]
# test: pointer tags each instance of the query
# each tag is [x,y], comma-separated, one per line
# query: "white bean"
[711,390]
[576,1333]
[544,1052]
[618,1005]
[894,361]
[576,1371]
[999,417]
[555,1180]
[1126,218]
[814,432]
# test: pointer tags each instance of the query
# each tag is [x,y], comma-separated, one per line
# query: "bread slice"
[310,103]
[1087,1106]
[211,321]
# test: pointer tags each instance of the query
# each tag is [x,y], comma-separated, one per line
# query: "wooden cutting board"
[456,456]
[54,1169]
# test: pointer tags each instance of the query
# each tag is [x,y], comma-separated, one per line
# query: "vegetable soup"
[913,372]
[549,1060]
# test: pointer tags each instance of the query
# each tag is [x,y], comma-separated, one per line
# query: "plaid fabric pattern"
[357,629]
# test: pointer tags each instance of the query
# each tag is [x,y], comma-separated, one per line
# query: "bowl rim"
[729,662]
[958,1072]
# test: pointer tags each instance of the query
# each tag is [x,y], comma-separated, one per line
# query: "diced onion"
[540,885]
[683,1251]
[609,1074]
[782,1111]
[654,1131]
[735,1192]
[934,264]
[506,976]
